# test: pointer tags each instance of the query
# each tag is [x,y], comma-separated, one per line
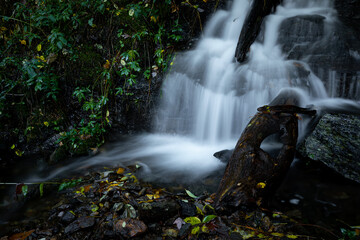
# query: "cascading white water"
[208,98]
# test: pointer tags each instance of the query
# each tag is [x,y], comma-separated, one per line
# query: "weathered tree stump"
[251,174]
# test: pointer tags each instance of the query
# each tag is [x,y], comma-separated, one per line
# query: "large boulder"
[336,142]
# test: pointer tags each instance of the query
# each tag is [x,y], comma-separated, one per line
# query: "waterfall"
[207,98]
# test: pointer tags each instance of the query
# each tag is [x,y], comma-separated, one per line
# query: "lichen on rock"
[336,142]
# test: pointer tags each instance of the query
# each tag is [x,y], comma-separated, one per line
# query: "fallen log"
[251,174]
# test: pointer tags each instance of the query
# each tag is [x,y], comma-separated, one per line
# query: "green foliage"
[24,189]
[41,189]
[192,220]
[208,218]
[97,49]
[69,184]
[190,194]
[349,234]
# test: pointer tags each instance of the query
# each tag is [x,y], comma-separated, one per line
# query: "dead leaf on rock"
[130,227]
[21,236]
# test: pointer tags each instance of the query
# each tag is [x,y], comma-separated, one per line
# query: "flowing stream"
[208,98]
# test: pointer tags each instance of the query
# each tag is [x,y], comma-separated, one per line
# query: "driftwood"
[252,25]
[251,172]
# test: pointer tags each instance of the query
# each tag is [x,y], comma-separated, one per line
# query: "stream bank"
[115,203]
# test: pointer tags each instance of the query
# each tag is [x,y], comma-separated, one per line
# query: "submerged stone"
[336,142]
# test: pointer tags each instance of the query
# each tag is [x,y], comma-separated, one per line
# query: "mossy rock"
[336,142]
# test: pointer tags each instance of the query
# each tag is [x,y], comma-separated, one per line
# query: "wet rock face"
[336,142]
[297,33]
[328,48]
[349,14]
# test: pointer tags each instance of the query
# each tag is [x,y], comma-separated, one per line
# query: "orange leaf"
[87,188]
[120,171]
[107,64]
[21,236]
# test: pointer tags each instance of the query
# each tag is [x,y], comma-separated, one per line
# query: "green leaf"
[24,190]
[41,188]
[195,230]
[91,22]
[208,218]
[190,194]
[94,208]
[208,206]
[59,44]
[198,210]
[129,211]
[192,220]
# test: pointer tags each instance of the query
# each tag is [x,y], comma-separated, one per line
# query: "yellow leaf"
[277,234]
[261,235]
[13,146]
[192,220]
[18,152]
[261,185]
[198,210]
[153,19]
[195,230]
[150,196]
[23,42]
[123,62]
[107,113]
[42,58]
[120,171]
[291,236]
[107,64]
[204,229]
[38,47]
[46,124]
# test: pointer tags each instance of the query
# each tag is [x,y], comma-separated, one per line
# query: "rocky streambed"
[115,204]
